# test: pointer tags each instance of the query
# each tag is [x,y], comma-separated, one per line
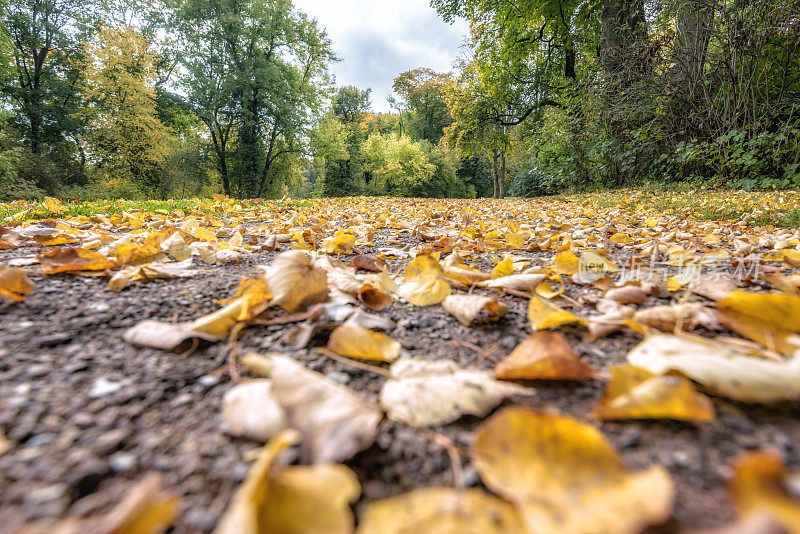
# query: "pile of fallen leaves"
[731,330]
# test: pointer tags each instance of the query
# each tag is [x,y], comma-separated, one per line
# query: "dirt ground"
[88,414]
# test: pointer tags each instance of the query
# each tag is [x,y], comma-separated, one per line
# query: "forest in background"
[185,98]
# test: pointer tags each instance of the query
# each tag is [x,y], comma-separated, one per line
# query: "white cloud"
[379,39]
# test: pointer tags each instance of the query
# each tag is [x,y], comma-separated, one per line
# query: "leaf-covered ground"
[592,363]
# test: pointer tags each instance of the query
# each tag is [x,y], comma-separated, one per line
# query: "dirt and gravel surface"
[88,414]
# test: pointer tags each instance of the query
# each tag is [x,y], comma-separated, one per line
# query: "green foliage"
[350,103]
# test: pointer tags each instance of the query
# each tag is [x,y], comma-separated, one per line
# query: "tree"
[255,75]
[421,93]
[350,103]
[127,139]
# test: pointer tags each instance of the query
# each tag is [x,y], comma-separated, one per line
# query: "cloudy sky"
[379,39]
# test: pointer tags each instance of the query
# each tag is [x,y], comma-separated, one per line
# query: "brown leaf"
[543,356]
[14,284]
[369,262]
[466,308]
[66,260]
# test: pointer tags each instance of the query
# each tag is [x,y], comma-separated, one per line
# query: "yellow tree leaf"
[441,511]
[767,318]
[14,284]
[543,314]
[424,282]
[66,260]
[565,477]
[342,243]
[357,342]
[543,356]
[566,263]
[636,393]
[759,487]
[146,509]
[504,268]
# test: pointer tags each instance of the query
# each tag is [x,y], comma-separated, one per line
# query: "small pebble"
[122,461]
[102,387]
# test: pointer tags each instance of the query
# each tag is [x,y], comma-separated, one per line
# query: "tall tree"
[126,137]
[256,73]
[421,93]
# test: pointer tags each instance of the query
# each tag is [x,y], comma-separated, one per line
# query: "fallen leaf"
[441,511]
[466,308]
[374,299]
[357,342]
[249,409]
[720,368]
[504,268]
[667,318]
[432,393]
[66,260]
[759,487]
[518,282]
[295,283]
[369,262]
[635,393]
[629,294]
[14,284]
[342,243]
[164,336]
[566,263]
[543,314]
[334,423]
[543,356]
[565,477]
[424,282]
[146,509]
[767,318]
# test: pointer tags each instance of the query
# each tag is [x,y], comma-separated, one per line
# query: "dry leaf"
[566,263]
[334,423]
[146,509]
[424,282]
[14,284]
[759,488]
[517,282]
[667,318]
[357,342]
[67,260]
[635,393]
[720,368]
[543,356]
[369,262]
[164,336]
[431,393]
[466,308]
[249,409]
[504,268]
[564,476]
[374,299]
[441,511]
[543,314]
[629,294]
[295,283]
[767,318]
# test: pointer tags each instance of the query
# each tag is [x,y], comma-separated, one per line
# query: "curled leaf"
[466,308]
[720,368]
[369,262]
[518,282]
[295,283]
[759,487]
[249,409]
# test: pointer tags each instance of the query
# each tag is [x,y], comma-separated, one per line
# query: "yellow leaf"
[236,240]
[64,260]
[204,234]
[53,205]
[253,297]
[357,342]
[636,393]
[543,314]
[146,509]
[566,263]
[515,240]
[14,284]
[295,283]
[341,244]
[543,356]
[441,511]
[504,268]
[564,476]
[424,282]
[620,239]
[759,487]
[546,289]
[465,274]
[767,318]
